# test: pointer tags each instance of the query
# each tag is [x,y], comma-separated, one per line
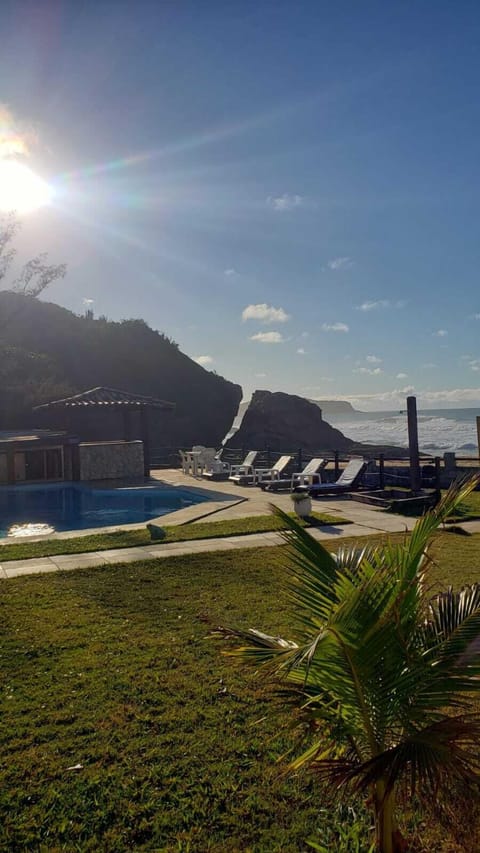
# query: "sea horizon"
[439,430]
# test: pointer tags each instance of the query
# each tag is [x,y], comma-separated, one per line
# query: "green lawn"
[124,728]
[141,536]
[470,508]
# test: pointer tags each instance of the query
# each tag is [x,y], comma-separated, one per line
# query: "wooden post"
[75,462]
[299,459]
[10,466]
[337,466]
[415,481]
[269,458]
[127,425]
[146,441]
[478,433]
[381,470]
[437,472]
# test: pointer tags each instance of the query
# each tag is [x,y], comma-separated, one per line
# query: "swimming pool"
[77,506]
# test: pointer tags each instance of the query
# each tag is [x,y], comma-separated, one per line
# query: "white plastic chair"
[185,462]
[197,454]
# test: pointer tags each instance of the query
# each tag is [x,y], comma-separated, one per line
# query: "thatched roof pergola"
[111,399]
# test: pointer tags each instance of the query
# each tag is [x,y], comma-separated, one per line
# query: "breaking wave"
[436,433]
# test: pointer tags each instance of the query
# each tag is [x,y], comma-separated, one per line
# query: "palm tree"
[385,673]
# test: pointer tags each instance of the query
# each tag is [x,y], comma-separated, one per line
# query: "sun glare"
[20,189]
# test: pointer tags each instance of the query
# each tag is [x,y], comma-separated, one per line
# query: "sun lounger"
[348,481]
[243,474]
[307,477]
[269,475]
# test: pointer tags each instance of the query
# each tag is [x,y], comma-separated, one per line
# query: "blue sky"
[288,190]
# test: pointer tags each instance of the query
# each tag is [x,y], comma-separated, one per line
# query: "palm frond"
[312,569]
[375,662]
[427,760]
[446,613]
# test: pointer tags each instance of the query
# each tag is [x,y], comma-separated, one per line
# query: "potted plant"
[302,504]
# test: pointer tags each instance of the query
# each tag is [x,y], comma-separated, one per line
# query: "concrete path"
[237,503]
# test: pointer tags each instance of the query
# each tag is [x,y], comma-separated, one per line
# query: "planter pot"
[303,508]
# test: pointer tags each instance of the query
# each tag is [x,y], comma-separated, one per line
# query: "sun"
[21,190]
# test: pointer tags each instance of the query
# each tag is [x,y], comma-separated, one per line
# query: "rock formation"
[285,422]
[336,408]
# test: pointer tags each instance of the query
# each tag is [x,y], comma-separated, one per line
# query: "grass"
[124,728]
[469,509]
[141,536]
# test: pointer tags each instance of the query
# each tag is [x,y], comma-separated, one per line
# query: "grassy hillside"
[48,352]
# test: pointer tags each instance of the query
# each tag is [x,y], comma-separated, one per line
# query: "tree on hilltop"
[34,276]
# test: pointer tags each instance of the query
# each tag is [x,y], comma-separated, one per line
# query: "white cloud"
[475,316]
[285,202]
[204,360]
[312,390]
[340,263]
[230,272]
[88,301]
[265,313]
[426,399]
[301,351]
[260,375]
[373,359]
[268,338]
[475,364]
[401,376]
[440,333]
[305,334]
[429,365]
[372,305]
[335,327]
[371,371]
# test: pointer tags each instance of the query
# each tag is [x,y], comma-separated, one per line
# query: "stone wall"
[110,460]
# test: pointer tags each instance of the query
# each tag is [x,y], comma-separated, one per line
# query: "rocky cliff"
[336,408]
[47,352]
[285,422]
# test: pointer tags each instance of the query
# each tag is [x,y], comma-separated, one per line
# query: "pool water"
[74,506]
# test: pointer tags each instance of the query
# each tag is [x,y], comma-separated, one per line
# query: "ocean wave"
[438,434]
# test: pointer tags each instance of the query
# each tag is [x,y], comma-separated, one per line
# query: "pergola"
[108,399]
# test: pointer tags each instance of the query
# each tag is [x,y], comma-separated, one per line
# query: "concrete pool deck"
[228,502]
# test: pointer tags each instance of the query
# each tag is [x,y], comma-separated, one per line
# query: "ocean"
[439,430]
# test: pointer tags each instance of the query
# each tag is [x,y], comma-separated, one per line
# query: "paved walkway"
[228,501]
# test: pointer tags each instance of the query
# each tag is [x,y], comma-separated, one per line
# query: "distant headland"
[336,407]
